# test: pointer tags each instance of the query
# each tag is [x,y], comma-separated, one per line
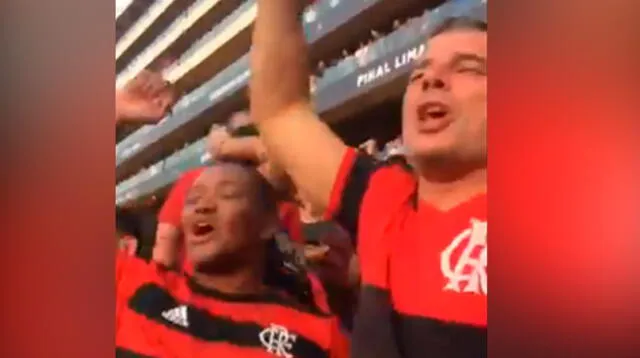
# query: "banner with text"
[393,65]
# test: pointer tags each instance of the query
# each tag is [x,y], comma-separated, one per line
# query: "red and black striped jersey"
[162,313]
[424,280]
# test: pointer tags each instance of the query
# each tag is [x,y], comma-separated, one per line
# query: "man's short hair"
[458,23]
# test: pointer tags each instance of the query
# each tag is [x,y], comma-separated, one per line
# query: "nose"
[434,83]
[204,209]
[435,79]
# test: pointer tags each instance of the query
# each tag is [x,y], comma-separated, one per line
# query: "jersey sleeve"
[130,273]
[120,267]
[290,220]
[349,188]
[363,182]
[130,270]
[319,293]
[339,342]
[123,264]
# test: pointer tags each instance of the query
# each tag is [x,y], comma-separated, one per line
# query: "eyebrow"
[199,189]
[462,57]
[227,182]
[458,57]
[423,64]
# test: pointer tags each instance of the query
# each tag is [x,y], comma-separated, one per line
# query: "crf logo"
[278,341]
[464,261]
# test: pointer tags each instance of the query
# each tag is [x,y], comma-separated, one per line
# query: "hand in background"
[145,99]
[218,134]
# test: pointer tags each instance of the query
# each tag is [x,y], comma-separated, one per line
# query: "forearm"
[279,60]
[280,102]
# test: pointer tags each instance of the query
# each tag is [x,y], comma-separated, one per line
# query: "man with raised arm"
[421,234]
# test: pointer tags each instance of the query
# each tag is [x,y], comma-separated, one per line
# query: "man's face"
[445,105]
[222,219]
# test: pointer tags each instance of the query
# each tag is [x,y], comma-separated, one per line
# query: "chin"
[431,152]
[208,266]
[215,262]
[200,258]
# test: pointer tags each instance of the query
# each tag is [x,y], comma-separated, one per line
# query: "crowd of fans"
[278,249]
[361,56]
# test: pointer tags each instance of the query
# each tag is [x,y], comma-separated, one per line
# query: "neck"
[446,186]
[239,282]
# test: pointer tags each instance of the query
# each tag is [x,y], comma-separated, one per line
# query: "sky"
[121,5]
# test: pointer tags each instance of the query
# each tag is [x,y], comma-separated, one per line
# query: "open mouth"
[202,229]
[437,113]
[433,110]
[434,116]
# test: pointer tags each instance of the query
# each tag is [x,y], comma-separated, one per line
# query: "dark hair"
[282,270]
[458,23]
[284,273]
[266,194]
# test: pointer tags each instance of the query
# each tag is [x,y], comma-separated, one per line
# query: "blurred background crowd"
[362,52]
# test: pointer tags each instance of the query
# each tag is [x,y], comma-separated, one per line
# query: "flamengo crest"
[467,272]
[278,340]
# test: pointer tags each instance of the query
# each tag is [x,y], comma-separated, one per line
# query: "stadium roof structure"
[127,13]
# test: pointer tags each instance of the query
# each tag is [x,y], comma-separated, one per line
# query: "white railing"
[179,26]
[243,21]
[152,13]
[124,5]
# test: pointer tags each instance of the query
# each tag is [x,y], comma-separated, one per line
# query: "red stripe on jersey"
[160,313]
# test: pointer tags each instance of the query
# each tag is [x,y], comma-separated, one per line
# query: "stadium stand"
[363,50]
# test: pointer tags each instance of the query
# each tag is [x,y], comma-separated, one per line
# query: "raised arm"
[293,135]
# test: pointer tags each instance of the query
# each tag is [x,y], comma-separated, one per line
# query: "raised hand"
[218,134]
[145,99]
